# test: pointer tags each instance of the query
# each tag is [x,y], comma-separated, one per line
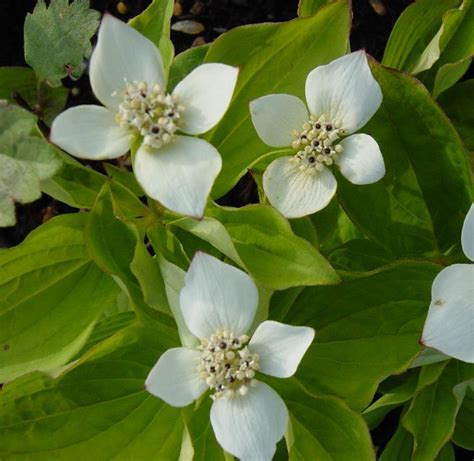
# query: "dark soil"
[372,23]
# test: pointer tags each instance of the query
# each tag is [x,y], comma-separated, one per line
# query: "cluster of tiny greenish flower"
[316,144]
[151,111]
[227,365]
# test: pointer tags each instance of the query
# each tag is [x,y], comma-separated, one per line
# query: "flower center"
[227,365]
[317,144]
[151,112]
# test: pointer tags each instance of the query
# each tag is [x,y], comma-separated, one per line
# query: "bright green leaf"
[57,38]
[154,24]
[99,410]
[413,33]
[185,62]
[51,296]
[259,239]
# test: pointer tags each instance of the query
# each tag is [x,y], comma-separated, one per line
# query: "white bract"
[341,96]
[127,77]
[219,303]
[449,326]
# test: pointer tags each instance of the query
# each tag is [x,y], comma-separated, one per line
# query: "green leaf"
[98,410]
[26,160]
[202,438]
[323,428]
[464,430]
[287,50]
[310,7]
[154,24]
[432,413]
[74,184]
[359,255]
[456,102]
[125,178]
[47,102]
[366,329]
[393,396]
[399,447]
[79,186]
[185,62]
[418,208]
[51,296]
[449,74]
[260,240]
[408,47]
[115,244]
[456,43]
[57,38]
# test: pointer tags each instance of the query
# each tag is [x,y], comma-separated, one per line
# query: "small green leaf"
[410,46]
[51,296]
[154,24]
[26,160]
[259,239]
[57,38]
[366,329]
[399,447]
[432,413]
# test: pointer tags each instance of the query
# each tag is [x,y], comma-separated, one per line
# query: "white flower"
[449,326]
[342,96]
[127,77]
[219,303]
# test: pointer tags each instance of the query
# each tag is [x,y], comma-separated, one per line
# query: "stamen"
[317,143]
[149,111]
[227,365]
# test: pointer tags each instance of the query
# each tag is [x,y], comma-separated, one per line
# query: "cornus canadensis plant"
[127,76]
[341,96]
[219,303]
[449,326]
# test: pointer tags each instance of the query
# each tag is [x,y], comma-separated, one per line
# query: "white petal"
[250,426]
[217,296]
[344,90]
[122,55]
[361,162]
[205,94]
[281,347]
[276,116]
[467,234]
[89,132]
[179,175]
[297,193]
[449,326]
[175,377]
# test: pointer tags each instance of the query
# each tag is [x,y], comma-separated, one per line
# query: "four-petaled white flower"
[219,303]
[449,326]
[342,96]
[128,78]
